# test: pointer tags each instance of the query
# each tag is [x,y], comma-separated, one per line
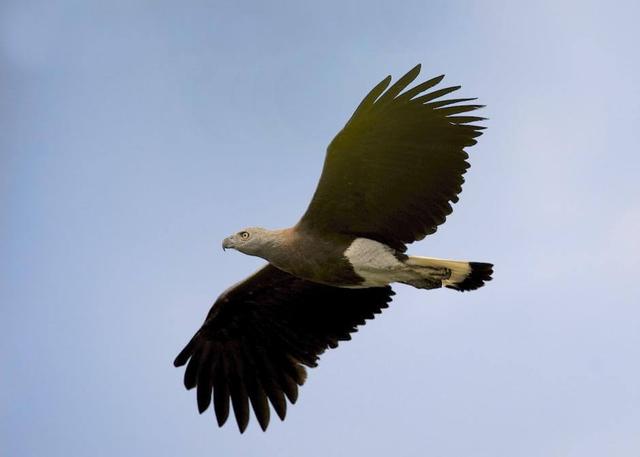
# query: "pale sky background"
[135,135]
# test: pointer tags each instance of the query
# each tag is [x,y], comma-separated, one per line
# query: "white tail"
[464,275]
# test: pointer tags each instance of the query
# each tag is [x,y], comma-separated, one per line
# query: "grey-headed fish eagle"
[389,178]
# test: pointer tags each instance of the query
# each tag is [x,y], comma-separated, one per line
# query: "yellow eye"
[244,235]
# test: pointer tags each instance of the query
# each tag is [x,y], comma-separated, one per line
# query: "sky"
[136,135]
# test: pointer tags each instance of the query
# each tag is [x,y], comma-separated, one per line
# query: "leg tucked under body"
[379,265]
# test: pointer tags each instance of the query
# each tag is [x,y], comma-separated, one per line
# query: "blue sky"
[134,136]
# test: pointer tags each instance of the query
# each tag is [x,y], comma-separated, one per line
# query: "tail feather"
[480,272]
[462,276]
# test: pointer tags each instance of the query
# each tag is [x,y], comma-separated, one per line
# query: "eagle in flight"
[389,178]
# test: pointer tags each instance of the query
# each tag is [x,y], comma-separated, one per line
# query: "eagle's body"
[389,179]
[342,260]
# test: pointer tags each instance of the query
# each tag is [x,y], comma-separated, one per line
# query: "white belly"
[376,263]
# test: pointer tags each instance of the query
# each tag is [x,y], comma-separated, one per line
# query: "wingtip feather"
[183,357]
[399,85]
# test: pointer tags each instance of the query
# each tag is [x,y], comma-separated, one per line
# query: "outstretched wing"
[260,333]
[393,170]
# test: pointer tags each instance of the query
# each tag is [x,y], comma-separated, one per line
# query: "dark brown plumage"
[400,161]
[260,334]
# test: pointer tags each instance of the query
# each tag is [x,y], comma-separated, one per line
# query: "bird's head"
[250,240]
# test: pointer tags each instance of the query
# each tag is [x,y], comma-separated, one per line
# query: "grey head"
[253,241]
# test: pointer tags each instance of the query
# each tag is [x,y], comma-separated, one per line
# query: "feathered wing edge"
[378,98]
[258,337]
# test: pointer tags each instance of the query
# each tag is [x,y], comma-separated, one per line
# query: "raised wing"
[259,335]
[393,170]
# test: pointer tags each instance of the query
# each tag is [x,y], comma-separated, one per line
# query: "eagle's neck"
[274,244]
[287,250]
[309,256]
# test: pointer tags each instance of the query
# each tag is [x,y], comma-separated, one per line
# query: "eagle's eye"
[245,235]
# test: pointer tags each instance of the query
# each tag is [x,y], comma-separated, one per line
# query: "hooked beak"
[227,243]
